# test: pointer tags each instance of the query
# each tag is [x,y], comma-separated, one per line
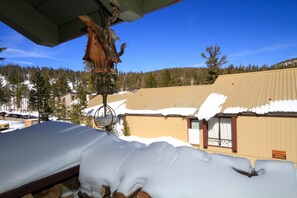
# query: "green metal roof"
[51,22]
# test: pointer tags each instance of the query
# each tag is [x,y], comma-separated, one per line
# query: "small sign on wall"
[277,154]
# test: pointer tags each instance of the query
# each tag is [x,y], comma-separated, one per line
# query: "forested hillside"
[15,74]
[187,76]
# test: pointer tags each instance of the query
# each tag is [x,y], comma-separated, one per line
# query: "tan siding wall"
[258,136]
[151,127]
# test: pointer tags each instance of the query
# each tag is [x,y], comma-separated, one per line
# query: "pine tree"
[1,50]
[39,97]
[89,77]
[214,62]
[75,113]
[82,96]
[165,78]
[7,94]
[62,85]
[1,93]
[126,128]
[150,80]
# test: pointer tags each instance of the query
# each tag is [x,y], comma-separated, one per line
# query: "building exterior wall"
[69,98]
[158,126]
[258,136]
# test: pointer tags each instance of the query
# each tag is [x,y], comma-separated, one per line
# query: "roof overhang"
[52,22]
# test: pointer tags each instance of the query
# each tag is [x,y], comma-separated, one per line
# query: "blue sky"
[248,31]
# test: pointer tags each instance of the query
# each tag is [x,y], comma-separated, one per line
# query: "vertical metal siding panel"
[253,90]
[284,133]
[294,140]
[250,136]
[269,88]
[276,89]
[263,137]
[269,135]
[288,134]
[241,134]
[277,135]
[262,143]
[294,84]
[274,136]
[286,81]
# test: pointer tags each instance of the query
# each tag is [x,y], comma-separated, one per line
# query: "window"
[193,131]
[194,123]
[220,132]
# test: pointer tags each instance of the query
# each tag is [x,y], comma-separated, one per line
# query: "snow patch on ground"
[13,125]
[211,106]
[3,80]
[29,85]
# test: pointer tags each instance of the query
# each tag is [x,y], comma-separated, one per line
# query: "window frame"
[233,133]
[219,139]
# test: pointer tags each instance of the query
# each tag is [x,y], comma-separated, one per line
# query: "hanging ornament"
[101,53]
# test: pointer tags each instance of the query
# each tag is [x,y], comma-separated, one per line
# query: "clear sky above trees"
[248,31]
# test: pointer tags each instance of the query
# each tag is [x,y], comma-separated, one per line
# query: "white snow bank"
[41,150]
[235,110]
[3,80]
[120,108]
[159,168]
[114,105]
[277,106]
[165,112]
[173,141]
[272,106]
[211,106]
[13,125]
[165,171]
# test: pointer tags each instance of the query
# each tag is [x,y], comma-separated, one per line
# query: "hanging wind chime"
[102,55]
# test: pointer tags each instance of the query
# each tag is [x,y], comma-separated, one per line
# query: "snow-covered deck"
[34,153]
[159,169]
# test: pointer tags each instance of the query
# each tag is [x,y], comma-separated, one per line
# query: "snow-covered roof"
[257,92]
[182,100]
[159,169]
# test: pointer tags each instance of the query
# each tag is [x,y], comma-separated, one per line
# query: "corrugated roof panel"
[256,89]
[97,100]
[169,97]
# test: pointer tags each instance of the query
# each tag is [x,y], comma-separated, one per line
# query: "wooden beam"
[39,184]
[152,5]
[26,20]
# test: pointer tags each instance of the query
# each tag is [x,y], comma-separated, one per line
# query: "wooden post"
[205,133]
[234,134]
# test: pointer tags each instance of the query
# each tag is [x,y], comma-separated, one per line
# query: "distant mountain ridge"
[289,63]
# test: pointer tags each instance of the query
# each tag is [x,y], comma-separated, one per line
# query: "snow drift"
[159,168]
[163,171]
